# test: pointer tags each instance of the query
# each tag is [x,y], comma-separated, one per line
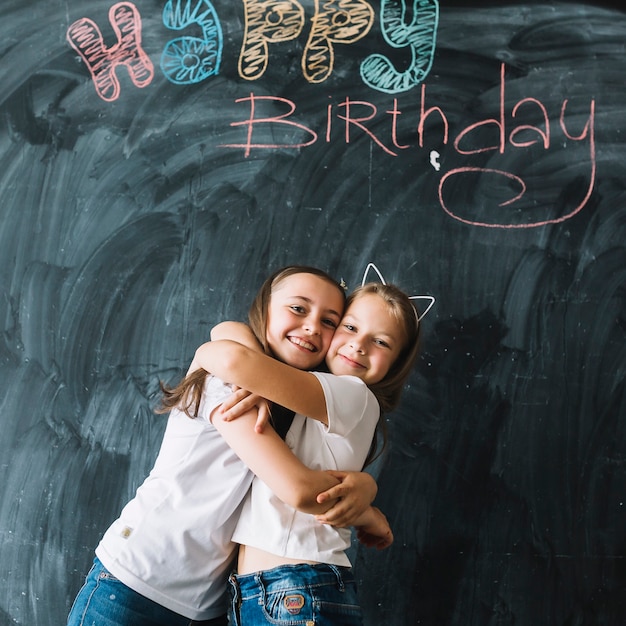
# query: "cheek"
[276,324]
[335,341]
[328,334]
[326,346]
[389,361]
[383,364]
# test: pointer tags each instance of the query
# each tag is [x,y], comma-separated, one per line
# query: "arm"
[228,331]
[269,458]
[242,398]
[373,530]
[344,499]
[263,375]
[236,331]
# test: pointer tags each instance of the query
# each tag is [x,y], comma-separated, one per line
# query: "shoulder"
[348,400]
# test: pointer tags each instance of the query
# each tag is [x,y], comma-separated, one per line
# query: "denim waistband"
[303,573]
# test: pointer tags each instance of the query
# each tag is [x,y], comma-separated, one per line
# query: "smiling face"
[303,313]
[367,341]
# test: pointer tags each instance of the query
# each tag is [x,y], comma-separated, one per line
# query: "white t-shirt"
[271,525]
[172,541]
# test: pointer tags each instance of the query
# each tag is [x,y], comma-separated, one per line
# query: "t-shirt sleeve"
[215,392]
[349,403]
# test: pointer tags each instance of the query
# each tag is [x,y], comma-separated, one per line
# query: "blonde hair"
[187,394]
[389,389]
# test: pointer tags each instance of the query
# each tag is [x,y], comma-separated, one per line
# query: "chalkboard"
[159,159]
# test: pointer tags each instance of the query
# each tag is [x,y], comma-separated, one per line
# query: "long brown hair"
[187,394]
[389,389]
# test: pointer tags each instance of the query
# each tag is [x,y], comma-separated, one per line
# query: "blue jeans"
[306,595]
[105,601]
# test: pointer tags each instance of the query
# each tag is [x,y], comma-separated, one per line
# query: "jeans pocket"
[344,613]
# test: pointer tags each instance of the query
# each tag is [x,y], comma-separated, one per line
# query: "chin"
[311,364]
[304,361]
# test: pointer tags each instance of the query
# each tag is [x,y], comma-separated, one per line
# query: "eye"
[382,343]
[297,308]
[350,328]
[330,323]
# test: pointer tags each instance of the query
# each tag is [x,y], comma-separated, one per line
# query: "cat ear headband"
[429,299]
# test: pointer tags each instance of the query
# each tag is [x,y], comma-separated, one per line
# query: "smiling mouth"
[303,344]
[351,362]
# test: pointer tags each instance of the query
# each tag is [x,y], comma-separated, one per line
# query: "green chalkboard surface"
[159,158]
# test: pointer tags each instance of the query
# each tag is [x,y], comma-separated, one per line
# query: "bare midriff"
[254,560]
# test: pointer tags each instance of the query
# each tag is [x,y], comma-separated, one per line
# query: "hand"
[240,402]
[375,532]
[355,493]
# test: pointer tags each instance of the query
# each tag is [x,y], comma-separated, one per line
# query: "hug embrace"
[235,525]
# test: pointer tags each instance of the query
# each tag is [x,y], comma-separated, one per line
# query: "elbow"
[303,498]
[230,356]
[219,357]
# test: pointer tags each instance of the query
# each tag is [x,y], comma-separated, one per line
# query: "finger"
[236,396]
[340,508]
[338,491]
[338,515]
[339,523]
[230,402]
[338,474]
[238,409]
[263,417]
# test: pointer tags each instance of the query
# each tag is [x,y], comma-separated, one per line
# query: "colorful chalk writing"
[354,115]
[86,38]
[187,60]
[377,71]
[266,22]
[339,22]
[543,139]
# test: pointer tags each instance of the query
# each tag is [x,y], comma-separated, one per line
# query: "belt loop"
[259,579]
[339,577]
[236,599]
[232,579]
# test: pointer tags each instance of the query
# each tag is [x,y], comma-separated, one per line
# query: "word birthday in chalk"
[350,120]
[188,59]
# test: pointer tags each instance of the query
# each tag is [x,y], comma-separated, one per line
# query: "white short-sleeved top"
[172,541]
[271,525]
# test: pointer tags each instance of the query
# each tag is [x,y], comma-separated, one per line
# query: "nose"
[312,325]
[356,345]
